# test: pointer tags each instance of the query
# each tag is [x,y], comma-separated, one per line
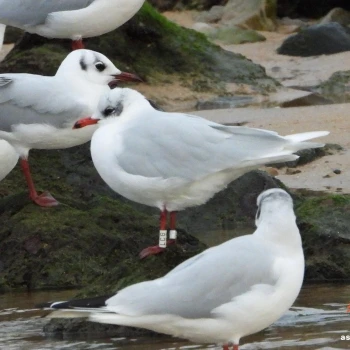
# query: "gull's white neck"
[279,226]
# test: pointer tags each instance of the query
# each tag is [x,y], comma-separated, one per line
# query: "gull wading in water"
[174,161]
[260,276]
[8,158]
[39,111]
[68,19]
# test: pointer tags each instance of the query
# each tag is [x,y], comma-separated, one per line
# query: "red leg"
[45,199]
[173,232]
[225,347]
[77,44]
[235,347]
[163,242]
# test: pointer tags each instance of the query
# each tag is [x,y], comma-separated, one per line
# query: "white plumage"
[8,158]
[228,291]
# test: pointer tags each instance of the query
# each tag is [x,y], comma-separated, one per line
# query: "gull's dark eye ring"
[108,111]
[100,66]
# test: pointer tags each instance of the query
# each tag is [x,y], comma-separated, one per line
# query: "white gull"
[223,294]
[173,161]
[71,19]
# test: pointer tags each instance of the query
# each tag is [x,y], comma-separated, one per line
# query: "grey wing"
[201,284]
[177,145]
[25,13]
[31,99]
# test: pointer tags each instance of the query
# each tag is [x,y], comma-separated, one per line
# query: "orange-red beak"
[123,76]
[85,122]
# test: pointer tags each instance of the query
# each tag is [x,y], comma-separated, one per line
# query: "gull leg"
[225,347]
[235,347]
[77,44]
[153,250]
[45,199]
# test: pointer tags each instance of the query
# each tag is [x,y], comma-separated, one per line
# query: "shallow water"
[317,321]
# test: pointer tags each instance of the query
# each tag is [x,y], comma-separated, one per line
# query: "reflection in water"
[317,321]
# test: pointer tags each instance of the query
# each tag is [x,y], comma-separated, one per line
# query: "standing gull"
[223,294]
[39,111]
[174,161]
[70,19]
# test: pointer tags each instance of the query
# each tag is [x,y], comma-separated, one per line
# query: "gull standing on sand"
[68,19]
[39,111]
[173,161]
[223,294]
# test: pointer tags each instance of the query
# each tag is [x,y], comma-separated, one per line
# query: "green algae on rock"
[324,221]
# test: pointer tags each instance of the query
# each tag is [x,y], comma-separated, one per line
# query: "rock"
[338,15]
[12,35]
[170,53]
[291,171]
[225,102]
[203,28]
[235,35]
[165,5]
[309,8]
[337,171]
[214,15]
[336,88]
[333,36]
[252,14]
[324,221]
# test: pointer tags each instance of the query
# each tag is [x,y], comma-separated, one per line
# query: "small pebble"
[337,171]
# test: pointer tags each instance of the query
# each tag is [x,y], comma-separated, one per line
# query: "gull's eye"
[100,66]
[108,111]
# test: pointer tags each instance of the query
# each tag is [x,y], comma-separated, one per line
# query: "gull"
[8,158]
[222,294]
[173,161]
[39,111]
[70,19]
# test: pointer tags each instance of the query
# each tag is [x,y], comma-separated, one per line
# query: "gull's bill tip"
[81,123]
[124,76]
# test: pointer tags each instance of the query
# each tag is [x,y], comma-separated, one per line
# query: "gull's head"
[114,104]
[94,67]
[271,202]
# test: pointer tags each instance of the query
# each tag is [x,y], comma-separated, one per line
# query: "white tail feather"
[306,136]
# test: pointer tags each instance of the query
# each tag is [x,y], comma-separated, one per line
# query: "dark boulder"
[319,39]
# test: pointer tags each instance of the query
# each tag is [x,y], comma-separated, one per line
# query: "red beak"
[85,122]
[123,76]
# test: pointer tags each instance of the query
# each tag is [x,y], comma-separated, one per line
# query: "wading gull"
[223,294]
[70,19]
[174,161]
[39,111]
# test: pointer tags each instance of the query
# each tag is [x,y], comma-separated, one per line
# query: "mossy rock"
[324,221]
[153,47]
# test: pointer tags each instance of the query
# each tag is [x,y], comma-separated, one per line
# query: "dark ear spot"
[83,65]
[119,108]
